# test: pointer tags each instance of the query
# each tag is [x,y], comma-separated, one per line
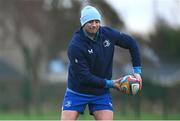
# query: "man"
[91,53]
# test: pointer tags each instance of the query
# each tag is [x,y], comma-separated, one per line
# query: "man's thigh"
[74,102]
[103,115]
[69,115]
[99,103]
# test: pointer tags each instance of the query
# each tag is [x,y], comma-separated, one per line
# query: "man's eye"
[91,22]
[97,21]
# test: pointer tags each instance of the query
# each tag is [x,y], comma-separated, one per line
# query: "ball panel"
[125,87]
[135,88]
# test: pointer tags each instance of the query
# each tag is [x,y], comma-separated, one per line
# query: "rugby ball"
[130,85]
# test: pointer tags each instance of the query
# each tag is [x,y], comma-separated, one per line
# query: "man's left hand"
[138,77]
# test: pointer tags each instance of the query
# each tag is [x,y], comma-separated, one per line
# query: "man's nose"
[93,23]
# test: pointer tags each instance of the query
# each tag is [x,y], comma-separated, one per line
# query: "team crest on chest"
[90,51]
[106,43]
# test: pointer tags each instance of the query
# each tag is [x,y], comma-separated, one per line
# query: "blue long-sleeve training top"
[91,61]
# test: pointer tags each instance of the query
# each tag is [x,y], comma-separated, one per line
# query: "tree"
[165,41]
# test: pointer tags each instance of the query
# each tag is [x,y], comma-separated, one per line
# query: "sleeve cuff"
[137,70]
[109,84]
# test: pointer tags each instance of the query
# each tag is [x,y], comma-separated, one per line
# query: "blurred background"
[34,35]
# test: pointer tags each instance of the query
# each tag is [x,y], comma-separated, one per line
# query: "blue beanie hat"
[89,13]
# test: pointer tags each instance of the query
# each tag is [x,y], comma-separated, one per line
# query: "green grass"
[32,116]
[55,116]
[132,116]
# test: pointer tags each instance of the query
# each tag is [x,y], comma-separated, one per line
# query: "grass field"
[86,116]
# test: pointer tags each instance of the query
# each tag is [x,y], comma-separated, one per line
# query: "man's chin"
[93,32]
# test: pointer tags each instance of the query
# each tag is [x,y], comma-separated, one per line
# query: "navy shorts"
[78,102]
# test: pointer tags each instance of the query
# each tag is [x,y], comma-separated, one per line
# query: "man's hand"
[138,77]
[116,84]
[113,83]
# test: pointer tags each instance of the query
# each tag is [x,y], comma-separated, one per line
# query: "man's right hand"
[116,84]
